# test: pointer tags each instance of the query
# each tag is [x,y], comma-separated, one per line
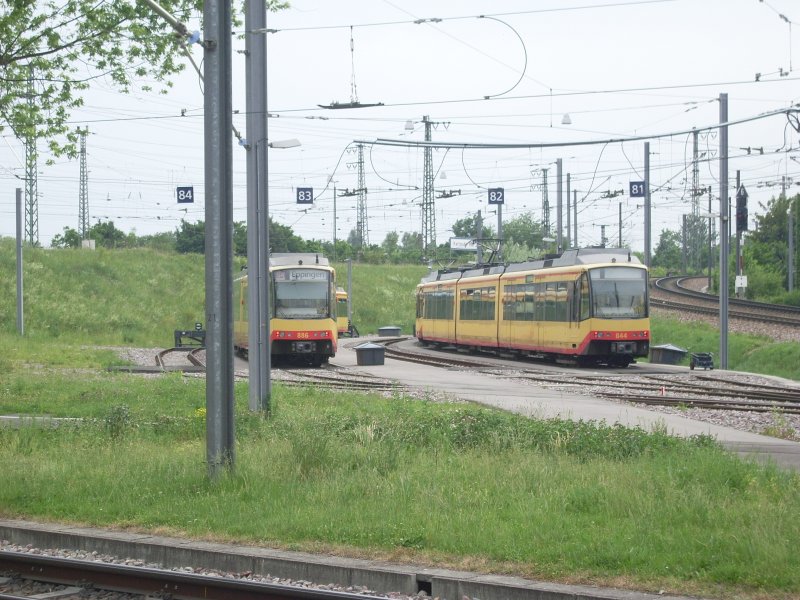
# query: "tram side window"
[477,304]
[438,305]
[518,302]
[586,306]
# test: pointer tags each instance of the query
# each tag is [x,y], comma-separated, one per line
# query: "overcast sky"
[618,69]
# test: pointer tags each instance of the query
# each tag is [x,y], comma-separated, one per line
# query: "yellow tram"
[302,309]
[586,306]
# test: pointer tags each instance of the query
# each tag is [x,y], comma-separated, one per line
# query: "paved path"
[528,399]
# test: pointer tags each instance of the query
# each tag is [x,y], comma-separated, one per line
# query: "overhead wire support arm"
[795,110]
[192,38]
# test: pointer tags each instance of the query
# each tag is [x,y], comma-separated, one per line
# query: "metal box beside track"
[666,354]
[389,331]
[368,354]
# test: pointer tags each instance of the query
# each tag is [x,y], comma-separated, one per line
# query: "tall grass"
[450,484]
[126,296]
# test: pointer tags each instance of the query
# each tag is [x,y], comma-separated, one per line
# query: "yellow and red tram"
[587,306]
[302,309]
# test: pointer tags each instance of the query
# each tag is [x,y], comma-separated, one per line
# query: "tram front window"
[301,300]
[618,293]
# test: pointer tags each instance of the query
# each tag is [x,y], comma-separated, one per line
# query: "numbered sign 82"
[496,195]
[305,195]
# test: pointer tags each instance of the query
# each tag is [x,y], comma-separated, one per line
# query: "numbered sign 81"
[185,195]
[496,195]
[637,189]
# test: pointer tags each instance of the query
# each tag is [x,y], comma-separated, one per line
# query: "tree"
[69,239]
[468,228]
[525,231]
[64,44]
[191,237]
[106,235]
[668,253]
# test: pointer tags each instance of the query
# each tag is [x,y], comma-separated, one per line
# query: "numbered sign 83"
[305,195]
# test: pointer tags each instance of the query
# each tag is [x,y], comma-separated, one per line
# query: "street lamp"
[292,143]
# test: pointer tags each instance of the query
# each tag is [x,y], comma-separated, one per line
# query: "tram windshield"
[618,292]
[301,294]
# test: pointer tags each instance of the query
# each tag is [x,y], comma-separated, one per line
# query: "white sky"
[626,68]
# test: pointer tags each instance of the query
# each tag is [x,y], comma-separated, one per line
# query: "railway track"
[27,574]
[673,293]
[689,390]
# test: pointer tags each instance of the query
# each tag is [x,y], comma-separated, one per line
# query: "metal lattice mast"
[83,195]
[363,230]
[428,206]
[31,176]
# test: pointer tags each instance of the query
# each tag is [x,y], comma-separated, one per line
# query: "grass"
[750,353]
[407,479]
[448,484]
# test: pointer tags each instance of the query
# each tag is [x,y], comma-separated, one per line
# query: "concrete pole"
[350,290]
[620,224]
[559,207]
[334,230]
[218,123]
[725,238]
[791,249]
[257,260]
[647,241]
[499,232]
[575,218]
[569,226]
[20,235]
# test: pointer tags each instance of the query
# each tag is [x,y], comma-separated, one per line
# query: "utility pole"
[83,193]
[361,221]
[31,176]
[710,235]
[791,248]
[334,225]
[218,123]
[545,205]
[725,239]
[258,350]
[683,244]
[603,236]
[20,235]
[569,226]
[479,240]
[575,218]
[428,205]
[559,226]
[620,224]
[647,225]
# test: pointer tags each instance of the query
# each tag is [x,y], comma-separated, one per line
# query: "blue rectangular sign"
[305,195]
[637,189]
[185,195]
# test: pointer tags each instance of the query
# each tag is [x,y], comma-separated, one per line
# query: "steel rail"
[164,583]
